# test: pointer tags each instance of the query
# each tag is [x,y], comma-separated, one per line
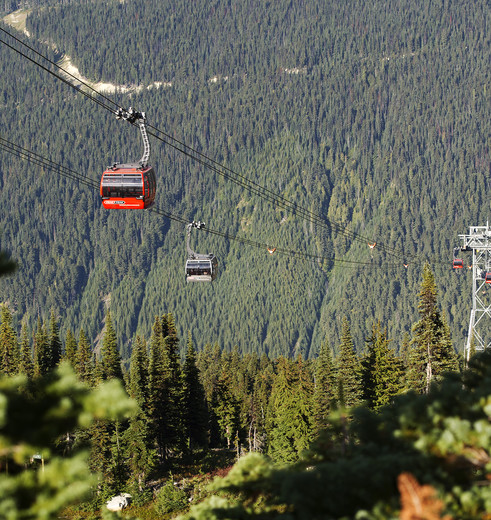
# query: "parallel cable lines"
[220,169]
[48,164]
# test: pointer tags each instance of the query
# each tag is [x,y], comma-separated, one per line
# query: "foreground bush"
[170,499]
[37,480]
[433,450]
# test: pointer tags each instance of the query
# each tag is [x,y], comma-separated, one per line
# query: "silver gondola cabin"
[199,267]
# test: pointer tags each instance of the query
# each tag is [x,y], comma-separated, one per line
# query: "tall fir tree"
[9,346]
[446,358]
[158,392]
[431,352]
[55,347]
[175,438]
[139,448]
[70,353]
[138,377]
[348,370]
[110,357]
[100,435]
[262,385]
[26,364]
[139,452]
[226,408]
[42,357]
[290,428]
[209,365]
[107,455]
[324,387]
[84,364]
[382,371]
[195,409]
[242,383]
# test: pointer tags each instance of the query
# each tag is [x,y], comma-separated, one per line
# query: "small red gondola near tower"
[457,263]
[130,186]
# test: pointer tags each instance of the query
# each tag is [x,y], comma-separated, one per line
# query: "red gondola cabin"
[487,277]
[458,263]
[128,186]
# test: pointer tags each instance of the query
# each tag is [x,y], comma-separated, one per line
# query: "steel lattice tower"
[479,242]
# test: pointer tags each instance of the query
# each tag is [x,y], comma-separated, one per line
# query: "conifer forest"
[335,152]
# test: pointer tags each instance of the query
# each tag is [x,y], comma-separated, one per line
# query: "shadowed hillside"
[373,116]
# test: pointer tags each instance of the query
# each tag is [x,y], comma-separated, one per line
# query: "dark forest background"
[374,115]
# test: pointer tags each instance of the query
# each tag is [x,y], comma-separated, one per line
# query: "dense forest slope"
[374,115]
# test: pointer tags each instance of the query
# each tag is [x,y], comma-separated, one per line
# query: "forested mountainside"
[375,116]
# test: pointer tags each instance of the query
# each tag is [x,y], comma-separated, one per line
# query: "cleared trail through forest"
[17,20]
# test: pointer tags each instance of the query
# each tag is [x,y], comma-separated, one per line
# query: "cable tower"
[479,242]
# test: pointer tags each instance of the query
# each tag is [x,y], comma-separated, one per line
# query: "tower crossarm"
[479,237]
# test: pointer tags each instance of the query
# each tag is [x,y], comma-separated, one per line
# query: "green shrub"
[170,499]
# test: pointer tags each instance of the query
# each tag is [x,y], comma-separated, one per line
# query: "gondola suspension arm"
[133,116]
[192,254]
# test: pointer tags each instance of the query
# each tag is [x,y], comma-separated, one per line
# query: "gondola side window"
[152,183]
[147,188]
[117,185]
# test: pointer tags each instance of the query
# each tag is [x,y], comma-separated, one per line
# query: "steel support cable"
[208,162]
[295,254]
[61,78]
[240,180]
[269,195]
[44,162]
[254,187]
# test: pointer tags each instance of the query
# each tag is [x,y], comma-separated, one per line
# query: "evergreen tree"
[381,370]
[226,408]
[176,439]
[348,370]
[158,380]
[106,456]
[100,460]
[110,357]
[263,383]
[446,358]
[54,341]
[9,346]
[42,357]
[84,365]
[242,382]
[98,372]
[26,364]
[209,366]
[290,428]
[31,420]
[116,471]
[70,348]
[404,353]
[432,353]
[324,388]
[138,377]
[195,409]
[138,450]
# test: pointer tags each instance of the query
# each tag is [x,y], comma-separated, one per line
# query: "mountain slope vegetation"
[374,116]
